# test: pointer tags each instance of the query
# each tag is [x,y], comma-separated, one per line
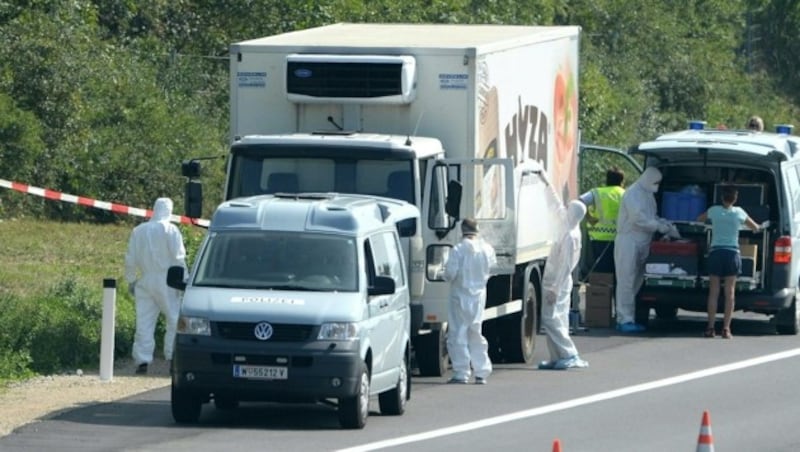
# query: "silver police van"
[696,165]
[297,298]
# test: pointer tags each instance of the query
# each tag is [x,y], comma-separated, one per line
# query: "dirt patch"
[42,397]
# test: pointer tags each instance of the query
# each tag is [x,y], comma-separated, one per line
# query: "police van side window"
[386,257]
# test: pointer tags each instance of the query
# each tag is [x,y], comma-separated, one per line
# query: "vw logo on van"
[302,73]
[263,331]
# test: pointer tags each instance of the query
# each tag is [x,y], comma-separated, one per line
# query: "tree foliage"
[105,98]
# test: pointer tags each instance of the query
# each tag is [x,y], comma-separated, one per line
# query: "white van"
[297,298]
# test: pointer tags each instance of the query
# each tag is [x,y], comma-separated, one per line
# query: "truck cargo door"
[486,189]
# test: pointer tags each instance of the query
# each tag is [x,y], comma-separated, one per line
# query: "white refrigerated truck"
[460,120]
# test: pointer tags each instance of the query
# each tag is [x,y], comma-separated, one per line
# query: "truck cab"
[297,297]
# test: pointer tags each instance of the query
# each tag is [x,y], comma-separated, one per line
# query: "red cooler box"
[667,257]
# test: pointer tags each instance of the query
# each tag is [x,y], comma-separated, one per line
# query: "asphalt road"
[644,392]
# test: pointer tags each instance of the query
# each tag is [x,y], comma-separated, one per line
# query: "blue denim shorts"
[724,262]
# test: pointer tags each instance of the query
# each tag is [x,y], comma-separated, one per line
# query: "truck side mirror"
[193,199]
[453,204]
[175,277]
[383,285]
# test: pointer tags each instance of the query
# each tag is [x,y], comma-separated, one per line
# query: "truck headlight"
[199,326]
[338,331]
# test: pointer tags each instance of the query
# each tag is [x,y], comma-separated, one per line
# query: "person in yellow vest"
[602,205]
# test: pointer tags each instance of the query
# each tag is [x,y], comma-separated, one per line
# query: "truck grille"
[243,331]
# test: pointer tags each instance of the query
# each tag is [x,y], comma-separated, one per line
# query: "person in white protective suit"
[468,269]
[557,291]
[636,223]
[153,247]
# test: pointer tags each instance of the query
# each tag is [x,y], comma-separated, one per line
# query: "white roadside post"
[107,332]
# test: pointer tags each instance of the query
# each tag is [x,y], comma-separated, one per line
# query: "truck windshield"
[344,171]
[279,260]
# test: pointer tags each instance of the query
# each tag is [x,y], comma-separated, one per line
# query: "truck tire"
[430,351]
[788,320]
[186,406]
[518,331]
[393,401]
[353,411]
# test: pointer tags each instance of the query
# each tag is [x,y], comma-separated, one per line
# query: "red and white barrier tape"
[116,208]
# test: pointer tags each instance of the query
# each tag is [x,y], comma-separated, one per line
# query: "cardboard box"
[598,317]
[601,279]
[598,297]
[748,251]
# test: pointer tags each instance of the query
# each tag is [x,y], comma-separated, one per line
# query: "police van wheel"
[666,312]
[641,313]
[393,402]
[353,411]
[788,320]
[185,406]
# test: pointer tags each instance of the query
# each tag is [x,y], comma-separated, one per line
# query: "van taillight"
[783,250]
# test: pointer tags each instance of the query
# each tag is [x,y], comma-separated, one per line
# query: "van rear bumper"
[696,299]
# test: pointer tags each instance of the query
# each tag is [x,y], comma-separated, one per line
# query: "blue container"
[676,206]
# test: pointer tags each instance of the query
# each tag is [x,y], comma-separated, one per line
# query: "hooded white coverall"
[557,284]
[467,268]
[153,247]
[636,223]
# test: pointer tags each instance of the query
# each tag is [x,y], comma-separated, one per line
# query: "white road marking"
[511,417]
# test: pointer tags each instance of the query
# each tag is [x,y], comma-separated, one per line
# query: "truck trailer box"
[459,120]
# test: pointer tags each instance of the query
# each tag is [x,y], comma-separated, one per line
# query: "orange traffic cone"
[705,441]
[556,445]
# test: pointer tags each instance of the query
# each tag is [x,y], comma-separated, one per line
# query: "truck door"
[594,161]
[456,189]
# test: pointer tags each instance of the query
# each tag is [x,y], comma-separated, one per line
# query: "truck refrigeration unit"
[459,120]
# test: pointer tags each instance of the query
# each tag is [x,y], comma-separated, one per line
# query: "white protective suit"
[636,223]
[557,284]
[468,269]
[154,246]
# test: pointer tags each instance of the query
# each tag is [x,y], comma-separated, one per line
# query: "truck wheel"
[353,411]
[393,401]
[185,406]
[518,334]
[788,320]
[666,312]
[430,351]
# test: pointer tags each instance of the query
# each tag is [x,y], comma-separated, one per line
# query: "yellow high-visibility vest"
[605,208]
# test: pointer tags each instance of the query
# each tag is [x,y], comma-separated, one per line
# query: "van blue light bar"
[785,129]
[697,125]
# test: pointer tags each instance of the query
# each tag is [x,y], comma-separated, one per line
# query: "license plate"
[261,372]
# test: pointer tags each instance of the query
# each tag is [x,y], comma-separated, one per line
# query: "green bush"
[59,331]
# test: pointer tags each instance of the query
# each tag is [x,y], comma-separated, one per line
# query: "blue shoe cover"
[630,327]
[547,365]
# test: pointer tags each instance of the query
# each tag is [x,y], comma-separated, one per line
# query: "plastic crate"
[677,206]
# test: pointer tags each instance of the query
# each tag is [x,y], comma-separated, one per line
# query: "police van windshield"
[380,174]
[279,261]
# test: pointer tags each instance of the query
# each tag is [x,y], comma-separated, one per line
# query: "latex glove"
[673,232]
[663,227]
[549,297]
[132,289]
[763,226]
